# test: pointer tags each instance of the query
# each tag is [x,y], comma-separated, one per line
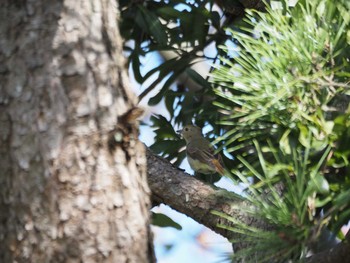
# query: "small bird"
[200,153]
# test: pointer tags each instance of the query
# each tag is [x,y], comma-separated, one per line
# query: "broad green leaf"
[215,18]
[319,184]
[198,78]
[304,136]
[136,66]
[165,69]
[150,23]
[177,71]
[284,142]
[161,220]
[169,12]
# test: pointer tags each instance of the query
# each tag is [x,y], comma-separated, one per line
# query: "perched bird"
[200,153]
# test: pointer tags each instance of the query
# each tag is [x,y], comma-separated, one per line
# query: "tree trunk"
[73,175]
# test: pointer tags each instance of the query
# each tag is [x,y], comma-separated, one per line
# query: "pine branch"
[194,198]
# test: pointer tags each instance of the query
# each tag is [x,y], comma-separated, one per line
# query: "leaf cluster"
[287,89]
[187,28]
[282,81]
[286,197]
[184,27]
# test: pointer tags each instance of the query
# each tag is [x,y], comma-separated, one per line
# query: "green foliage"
[287,195]
[282,83]
[289,77]
[186,27]
[168,141]
[161,26]
[287,89]
[161,220]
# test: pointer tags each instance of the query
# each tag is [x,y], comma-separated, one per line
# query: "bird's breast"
[200,167]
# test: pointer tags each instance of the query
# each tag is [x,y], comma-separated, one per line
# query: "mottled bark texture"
[73,182]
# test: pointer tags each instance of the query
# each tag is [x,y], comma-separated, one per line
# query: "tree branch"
[340,253]
[194,198]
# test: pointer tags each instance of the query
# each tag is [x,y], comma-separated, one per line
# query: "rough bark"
[193,197]
[73,186]
[197,200]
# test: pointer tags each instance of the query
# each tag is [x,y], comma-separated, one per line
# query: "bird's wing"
[202,154]
[206,155]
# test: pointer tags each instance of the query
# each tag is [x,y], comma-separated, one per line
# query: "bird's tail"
[218,167]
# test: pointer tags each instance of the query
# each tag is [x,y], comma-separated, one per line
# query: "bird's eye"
[186,129]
